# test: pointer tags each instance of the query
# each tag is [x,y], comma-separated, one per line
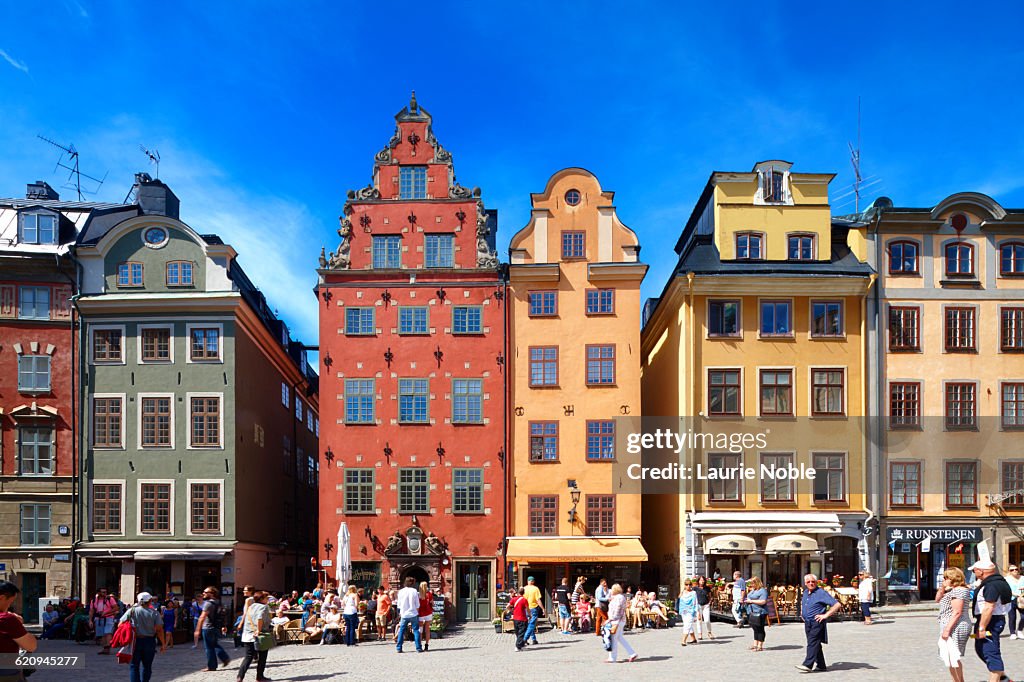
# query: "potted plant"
[673,618]
[497,625]
[837,580]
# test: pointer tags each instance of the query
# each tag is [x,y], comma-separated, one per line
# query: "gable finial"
[412,103]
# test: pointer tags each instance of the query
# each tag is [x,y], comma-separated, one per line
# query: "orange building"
[574,367]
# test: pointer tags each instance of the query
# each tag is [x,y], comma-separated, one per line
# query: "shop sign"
[948,534]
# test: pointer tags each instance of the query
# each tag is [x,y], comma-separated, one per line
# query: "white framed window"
[107,507]
[298,408]
[205,506]
[38,228]
[35,450]
[33,303]
[107,344]
[155,508]
[205,420]
[205,342]
[108,421]
[33,373]
[309,420]
[155,420]
[285,395]
[35,524]
[155,344]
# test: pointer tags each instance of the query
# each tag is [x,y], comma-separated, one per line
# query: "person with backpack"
[992,600]
[103,612]
[210,623]
[148,629]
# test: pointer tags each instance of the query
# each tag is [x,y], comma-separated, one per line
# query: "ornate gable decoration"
[486,257]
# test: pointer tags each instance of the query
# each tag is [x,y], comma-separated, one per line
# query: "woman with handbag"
[757,611]
[257,637]
[615,625]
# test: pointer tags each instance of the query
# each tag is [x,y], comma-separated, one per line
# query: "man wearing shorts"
[383,610]
[992,600]
[103,612]
[562,599]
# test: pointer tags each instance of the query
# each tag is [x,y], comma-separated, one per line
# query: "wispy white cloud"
[76,8]
[277,237]
[20,66]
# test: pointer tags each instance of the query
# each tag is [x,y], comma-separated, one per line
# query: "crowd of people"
[983,609]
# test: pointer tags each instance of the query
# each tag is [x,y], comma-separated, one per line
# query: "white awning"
[730,544]
[785,544]
[765,522]
[175,554]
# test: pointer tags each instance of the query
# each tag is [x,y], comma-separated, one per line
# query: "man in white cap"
[992,600]
[148,631]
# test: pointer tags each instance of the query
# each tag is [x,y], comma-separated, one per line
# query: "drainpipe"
[694,382]
[507,440]
[874,420]
[76,449]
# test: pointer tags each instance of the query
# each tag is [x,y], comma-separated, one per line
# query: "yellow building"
[950,360]
[760,330]
[574,368]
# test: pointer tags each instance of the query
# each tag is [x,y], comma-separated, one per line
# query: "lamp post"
[574,494]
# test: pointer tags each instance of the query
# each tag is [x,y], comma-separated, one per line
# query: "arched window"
[903,258]
[959,259]
[1011,260]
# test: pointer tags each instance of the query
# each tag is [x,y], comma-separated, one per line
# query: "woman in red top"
[426,613]
[520,606]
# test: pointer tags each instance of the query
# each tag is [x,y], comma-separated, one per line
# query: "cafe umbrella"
[344,555]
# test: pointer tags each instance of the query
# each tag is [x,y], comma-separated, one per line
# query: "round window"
[572,197]
[155,236]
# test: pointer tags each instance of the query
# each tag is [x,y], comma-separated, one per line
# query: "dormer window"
[179,273]
[801,247]
[959,259]
[1011,262]
[412,182]
[774,185]
[129,275]
[749,246]
[38,228]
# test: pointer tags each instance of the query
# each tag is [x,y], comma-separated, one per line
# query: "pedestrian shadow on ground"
[645,659]
[784,647]
[318,677]
[850,665]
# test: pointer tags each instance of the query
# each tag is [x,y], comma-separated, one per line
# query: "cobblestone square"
[899,648]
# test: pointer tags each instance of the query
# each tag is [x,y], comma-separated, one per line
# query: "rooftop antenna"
[855,162]
[71,165]
[154,158]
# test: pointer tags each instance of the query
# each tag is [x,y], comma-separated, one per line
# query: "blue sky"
[266,116]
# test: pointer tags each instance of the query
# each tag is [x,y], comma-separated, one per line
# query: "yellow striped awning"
[570,549]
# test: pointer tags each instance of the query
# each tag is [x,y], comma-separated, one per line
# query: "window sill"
[479,423]
[414,513]
[401,333]
[897,351]
[778,503]
[827,337]
[206,361]
[776,337]
[828,416]
[961,351]
[725,416]
[108,448]
[553,315]
[602,460]
[906,507]
[1011,350]
[590,314]
[423,423]
[473,333]
[906,427]
[777,417]
[726,503]
[359,513]
[831,503]
[967,282]
[611,385]
[469,513]
[37,392]
[369,423]
[545,461]
[544,386]
[968,429]
[725,337]
[904,274]
[156,362]
[367,334]
[205,447]
[101,363]
[966,507]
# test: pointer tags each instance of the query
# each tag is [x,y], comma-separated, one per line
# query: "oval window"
[572,197]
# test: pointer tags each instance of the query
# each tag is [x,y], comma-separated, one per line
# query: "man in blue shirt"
[816,607]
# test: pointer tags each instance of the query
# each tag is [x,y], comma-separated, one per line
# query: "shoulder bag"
[264,641]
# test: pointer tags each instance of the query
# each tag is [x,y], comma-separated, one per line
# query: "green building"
[199,414]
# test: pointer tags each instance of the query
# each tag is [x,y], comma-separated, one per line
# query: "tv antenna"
[154,158]
[70,164]
[855,162]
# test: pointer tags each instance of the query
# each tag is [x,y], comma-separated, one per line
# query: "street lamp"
[574,494]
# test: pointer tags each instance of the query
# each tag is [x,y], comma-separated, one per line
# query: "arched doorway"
[418,573]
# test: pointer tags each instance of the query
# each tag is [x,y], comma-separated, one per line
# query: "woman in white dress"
[616,624]
[954,621]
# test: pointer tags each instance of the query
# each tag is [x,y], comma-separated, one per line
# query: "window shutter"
[61,309]
[7,298]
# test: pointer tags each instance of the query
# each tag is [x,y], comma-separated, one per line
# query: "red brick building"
[412,337]
[38,347]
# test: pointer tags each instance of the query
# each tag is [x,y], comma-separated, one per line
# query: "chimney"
[41,190]
[154,197]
